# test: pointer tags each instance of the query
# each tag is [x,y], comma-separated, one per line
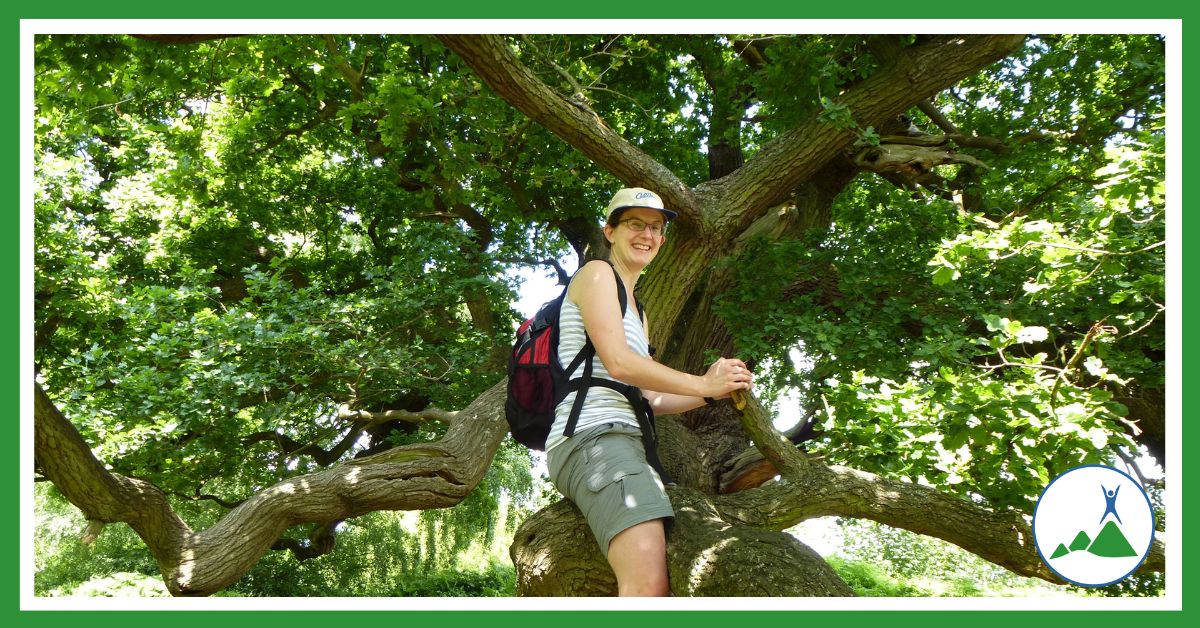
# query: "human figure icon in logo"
[1110,503]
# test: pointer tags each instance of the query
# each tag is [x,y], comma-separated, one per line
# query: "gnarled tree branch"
[809,489]
[494,61]
[917,73]
[419,476]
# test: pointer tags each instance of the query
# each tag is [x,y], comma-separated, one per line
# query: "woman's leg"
[638,556]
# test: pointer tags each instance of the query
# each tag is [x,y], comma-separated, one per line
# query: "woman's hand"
[727,375]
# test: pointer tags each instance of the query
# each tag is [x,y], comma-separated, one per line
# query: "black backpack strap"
[650,349]
[622,298]
[649,436]
[587,355]
[580,385]
[641,409]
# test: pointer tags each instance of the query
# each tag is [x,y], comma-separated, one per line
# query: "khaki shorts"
[604,471]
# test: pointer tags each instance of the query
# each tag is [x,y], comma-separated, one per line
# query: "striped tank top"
[602,405]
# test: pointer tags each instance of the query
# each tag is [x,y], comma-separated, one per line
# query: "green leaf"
[995,323]
[944,275]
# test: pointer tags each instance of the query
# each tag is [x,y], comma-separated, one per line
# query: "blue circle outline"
[1033,525]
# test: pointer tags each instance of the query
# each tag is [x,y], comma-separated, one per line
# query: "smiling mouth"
[641,247]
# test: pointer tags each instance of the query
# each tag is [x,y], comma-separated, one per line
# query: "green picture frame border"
[937,612]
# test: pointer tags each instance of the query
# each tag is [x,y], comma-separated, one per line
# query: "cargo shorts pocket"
[606,474]
[628,486]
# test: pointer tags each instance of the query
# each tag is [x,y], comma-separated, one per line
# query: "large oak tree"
[271,279]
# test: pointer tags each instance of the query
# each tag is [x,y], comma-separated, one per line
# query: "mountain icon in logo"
[1110,543]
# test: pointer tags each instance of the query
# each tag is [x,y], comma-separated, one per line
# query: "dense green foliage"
[983,351]
[196,299]
[240,242]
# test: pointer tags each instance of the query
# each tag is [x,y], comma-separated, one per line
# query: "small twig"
[563,276]
[1044,194]
[1089,275]
[1148,218]
[576,89]
[198,496]
[1131,464]
[1161,309]
[1083,249]
[1094,331]
[1100,251]
[324,114]
[1004,361]
[825,404]
[597,88]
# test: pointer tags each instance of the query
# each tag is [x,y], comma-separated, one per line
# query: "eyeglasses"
[638,226]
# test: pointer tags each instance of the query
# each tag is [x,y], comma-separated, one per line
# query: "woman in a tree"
[600,455]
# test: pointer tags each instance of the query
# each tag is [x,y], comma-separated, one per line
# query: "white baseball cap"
[629,198]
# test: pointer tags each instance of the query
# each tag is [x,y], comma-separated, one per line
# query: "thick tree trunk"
[707,556]
[679,287]
[715,213]
[715,439]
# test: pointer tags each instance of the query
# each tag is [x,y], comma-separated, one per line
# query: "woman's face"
[637,249]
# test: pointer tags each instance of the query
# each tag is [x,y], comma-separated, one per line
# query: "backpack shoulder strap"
[624,301]
[621,296]
[586,356]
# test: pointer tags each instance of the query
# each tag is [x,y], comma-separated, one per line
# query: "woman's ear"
[608,234]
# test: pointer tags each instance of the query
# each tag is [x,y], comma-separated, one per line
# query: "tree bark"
[716,212]
[547,549]
[795,156]
[706,556]
[816,490]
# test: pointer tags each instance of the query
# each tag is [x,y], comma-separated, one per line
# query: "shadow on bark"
[555,554]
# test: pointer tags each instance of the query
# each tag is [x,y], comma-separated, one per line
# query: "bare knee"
[652,585]
[638,556]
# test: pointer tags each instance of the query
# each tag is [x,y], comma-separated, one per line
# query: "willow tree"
[271,279]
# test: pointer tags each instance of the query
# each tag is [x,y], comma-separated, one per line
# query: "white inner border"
[1172,600]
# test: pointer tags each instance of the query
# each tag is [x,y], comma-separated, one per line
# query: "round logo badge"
[1093,525]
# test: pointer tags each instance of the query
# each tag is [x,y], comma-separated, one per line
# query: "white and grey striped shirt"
[602,405]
